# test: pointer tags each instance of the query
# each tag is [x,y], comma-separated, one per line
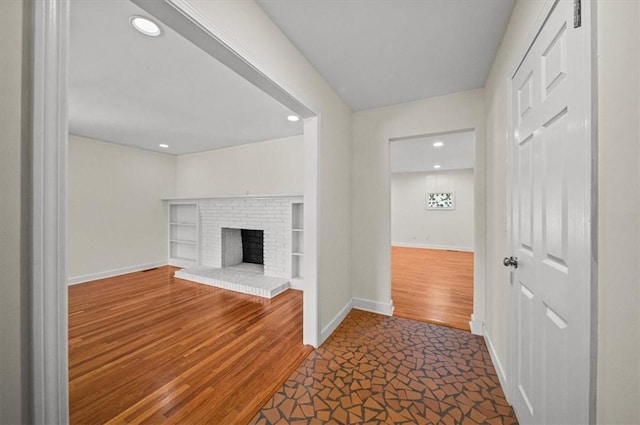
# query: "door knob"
[510,261]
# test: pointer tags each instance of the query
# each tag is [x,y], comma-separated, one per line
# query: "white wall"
[117,222]
[260,40]
[371,211]
[618,212]
[116,219]
[270,167]
[14,282]
[414,225]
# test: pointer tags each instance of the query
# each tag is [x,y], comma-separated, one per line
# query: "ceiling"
[142,91]
[380,52]
[419,155]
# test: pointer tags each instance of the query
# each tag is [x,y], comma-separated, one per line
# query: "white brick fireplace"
[271,215]
[251,229]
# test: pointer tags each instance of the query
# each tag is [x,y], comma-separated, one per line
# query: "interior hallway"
[432,285]
[376,369]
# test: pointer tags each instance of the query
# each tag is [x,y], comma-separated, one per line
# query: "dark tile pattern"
[387,370]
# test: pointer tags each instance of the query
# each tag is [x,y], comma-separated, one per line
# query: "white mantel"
[191,198]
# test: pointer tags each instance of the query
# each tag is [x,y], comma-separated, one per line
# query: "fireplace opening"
[241,246]
[252,246]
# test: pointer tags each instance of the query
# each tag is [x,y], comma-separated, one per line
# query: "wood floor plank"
[149,348]
[432,285]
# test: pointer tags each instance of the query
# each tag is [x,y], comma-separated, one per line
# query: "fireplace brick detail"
[271,215]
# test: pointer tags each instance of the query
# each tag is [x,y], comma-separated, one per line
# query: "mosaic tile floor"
[386,370]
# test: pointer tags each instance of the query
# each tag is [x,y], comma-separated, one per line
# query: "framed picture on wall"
[440,201]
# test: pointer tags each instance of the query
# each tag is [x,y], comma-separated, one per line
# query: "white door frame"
[49,188]
[590,122]
[476,321]
[49,174]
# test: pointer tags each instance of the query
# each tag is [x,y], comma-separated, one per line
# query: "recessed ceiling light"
[293,118]
[146,26]
[437,144]
[436,166]
[163,146]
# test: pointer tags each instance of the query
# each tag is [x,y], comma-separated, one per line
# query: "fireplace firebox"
[252,246]
[242,246]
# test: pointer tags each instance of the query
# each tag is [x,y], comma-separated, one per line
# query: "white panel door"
[549,295]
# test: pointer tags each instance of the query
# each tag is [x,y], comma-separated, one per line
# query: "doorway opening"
[432,228]
[50,344]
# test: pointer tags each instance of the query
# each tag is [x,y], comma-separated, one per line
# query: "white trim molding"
[476,326]
[205,198]
[50,133]
[496,363]
[374,306]
[311,334]
[335,322]
[210,38]
[112,273]
[427,246]
[359,304]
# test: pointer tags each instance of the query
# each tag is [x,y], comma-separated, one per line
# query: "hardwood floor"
[432,285]
[148,348]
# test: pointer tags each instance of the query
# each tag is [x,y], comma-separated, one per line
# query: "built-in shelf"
[183,233]
[184,241]
[297,241]
[189,259]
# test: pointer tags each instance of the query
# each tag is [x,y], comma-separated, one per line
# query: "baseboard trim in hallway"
[374,306]
[496,362]
[335,322]
[477,326]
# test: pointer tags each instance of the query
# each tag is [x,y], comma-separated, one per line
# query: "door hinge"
[577,13]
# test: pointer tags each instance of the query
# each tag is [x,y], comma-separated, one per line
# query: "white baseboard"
[477,326]
[374,306]
[496,363]
[111,273]
[335,322]
[360,304]
[427,246]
